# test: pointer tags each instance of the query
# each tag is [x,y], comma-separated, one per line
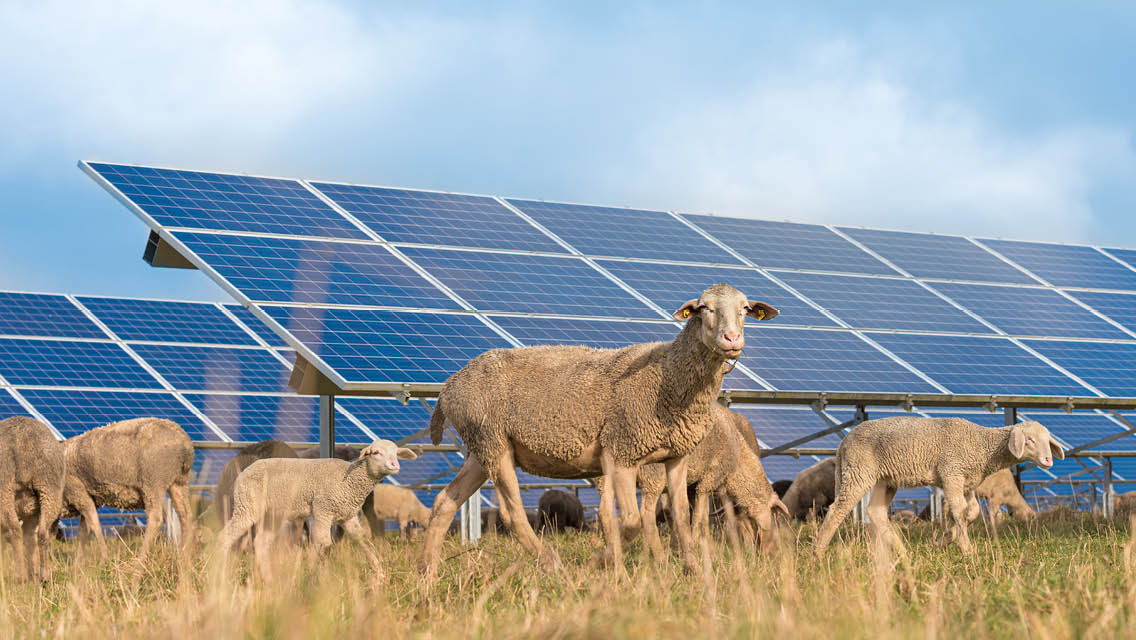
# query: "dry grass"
[1072,576]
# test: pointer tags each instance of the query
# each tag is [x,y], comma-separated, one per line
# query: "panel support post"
[471,519]
[861,510]
[172,525]
[936,504]
[1011,414]
[1108,494]
[327,426]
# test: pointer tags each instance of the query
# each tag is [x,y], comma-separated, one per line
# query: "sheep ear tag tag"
[761,314]
[686,313]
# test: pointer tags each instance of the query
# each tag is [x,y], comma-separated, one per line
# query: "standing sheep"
[223,500]
[130,464]
[577,412]
[31,459]
[813,490]
[1000,489]
[400,503]
[951,453]
[273,491]
[559,510]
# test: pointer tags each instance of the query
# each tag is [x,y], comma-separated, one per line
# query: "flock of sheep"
[644,417]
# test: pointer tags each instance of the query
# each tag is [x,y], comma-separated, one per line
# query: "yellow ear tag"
[761,314]
[686,313]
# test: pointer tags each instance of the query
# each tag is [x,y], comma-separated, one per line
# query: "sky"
[1005,119]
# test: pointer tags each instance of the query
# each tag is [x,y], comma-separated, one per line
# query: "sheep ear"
[688,308]
[1017,442]
[1058,452]
[407,454]
[760,310]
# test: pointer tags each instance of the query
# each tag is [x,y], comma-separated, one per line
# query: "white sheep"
[903,452]
[400,503]
[273,491]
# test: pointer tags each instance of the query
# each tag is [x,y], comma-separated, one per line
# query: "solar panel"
[786,467]
[1120,307]
[1078,429]
[9,406]
[966,365]
[775,426]
[315,271]
[165,321]
[25,361]
[199,200]
[1067,265]
[388,418]
[927,255]
[431,217]
[981,418]
[75,411]
[368,345]
[437,468]
[882,303]
[251,418]
[629,233]
[1030,312]
[1106,366]
[529,283]
[671,285]
[216,368]
[36,314]
[269,336]
[207,465]
[789,245]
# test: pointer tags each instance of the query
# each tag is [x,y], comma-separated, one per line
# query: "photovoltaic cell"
[388,418]
[882,303]
[314,271]
[251,418]
[216,368]
[70,364]
[426,217]
[1120,307]
[790,245]
[979,365]
[774,426]
[163,321]
[259,328]
[34,314]
[1082,428]
[1106,366]
[980,418]
[207,465]
[433,468]
[628,233]
[670,285]
[198,200]
[532,284]
[787,467]
[9,406]
[365,345]
[1067,265]
[1024,311]
[73,412]
[926,255]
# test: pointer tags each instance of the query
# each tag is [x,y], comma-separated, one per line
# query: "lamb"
[813,490]
[905,516]
[223,501]
[559,511]
[389,501]
[951,453]
[273,491]
[31,459]
[130,464]
[1000,489]
[577,412]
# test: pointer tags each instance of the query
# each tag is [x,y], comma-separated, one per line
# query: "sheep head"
[381,457]
[1032,441]
[721,310]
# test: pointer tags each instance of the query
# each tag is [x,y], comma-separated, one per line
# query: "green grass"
[1066,577]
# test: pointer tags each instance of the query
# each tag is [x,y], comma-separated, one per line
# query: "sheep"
[951,453]
[223,500]
[813,490]
[130,464]
[1124,504]
[273,491]
[905,516]
[577,412]
[1000,489]
[341,452]
[389,501]
[31,459]
[559,511]
[781,487]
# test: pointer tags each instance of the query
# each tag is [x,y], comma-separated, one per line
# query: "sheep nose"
[732,336]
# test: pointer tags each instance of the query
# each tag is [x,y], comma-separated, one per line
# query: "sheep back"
[223,500]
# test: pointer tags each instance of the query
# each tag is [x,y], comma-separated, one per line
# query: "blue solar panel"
[531,284]
[366,345]
[602,334]
[200,200]
[789,245]
[9,406]
[926,255]
[70,364]
[1067,265]
[983,419]
[1107,366]
[315,271]
[162,321]
[786,467]
[207,465]
[979,365]
[73,412]
[428,217]
[1120,307]
[34,314]
[424,468]
[629,233]
[259,328]
[1030,312]
[670,285]
[251,418]
[808,360]
[882,303]
[216,368]
[388,418]
[775,426]
[1082,428]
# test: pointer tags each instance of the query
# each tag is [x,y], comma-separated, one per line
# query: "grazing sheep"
[813,490]
[31,459]
[389,501]
[273,491]
[951,453]
[130,464]
[905,516]
[578,412]
[1000,489]
[223,500]
[1124,504]
[781,487]
[559,511]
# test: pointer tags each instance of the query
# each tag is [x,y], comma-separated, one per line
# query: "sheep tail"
[437,422]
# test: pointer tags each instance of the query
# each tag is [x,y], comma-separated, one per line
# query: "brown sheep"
[1000,489]
[781,487]
[1124,504]
[577,412]
[223,500]
[560,510]
[130,464]
[400,503]
[33,460]
[813,490]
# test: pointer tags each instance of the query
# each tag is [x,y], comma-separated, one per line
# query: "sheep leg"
[957,501]
[881,499]
[849,494]
[261,547]
[49,506]
[648,511]
[89,522]
[973,509]
[505,479]
[377,525]
[155,517]
[471,476]
[37,556]
[680,512]
[13,530]
[179,497]
[613,550]
[353,528]
[700,518]
[624,479]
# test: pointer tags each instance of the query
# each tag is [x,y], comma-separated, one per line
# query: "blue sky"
[1013,120]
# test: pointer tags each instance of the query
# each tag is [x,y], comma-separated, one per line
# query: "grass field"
[1067,577]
